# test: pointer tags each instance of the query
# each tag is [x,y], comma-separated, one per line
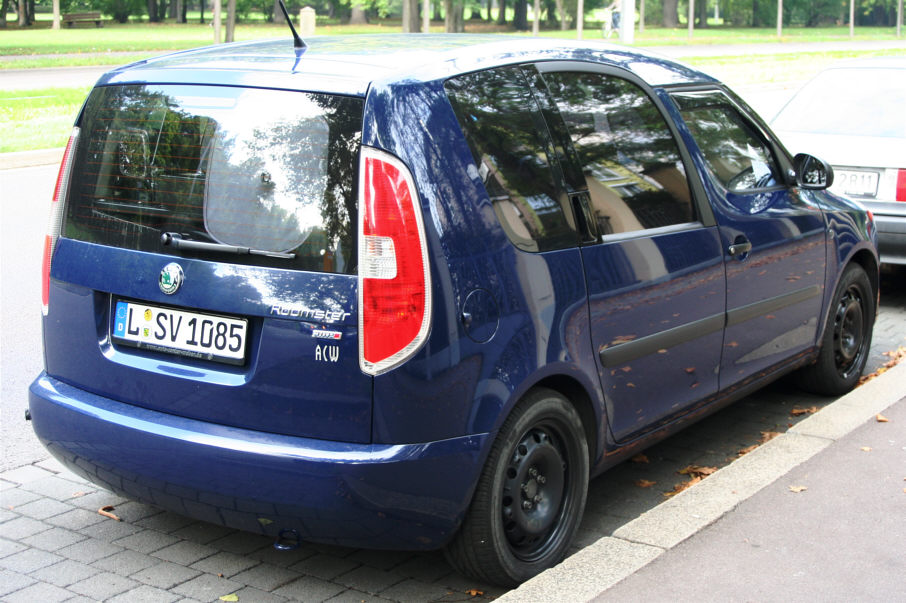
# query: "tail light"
[394,277]
[901,185]
[56,216]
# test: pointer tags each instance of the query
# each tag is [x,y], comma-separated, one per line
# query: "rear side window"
[508,137]
[629,157]
[268,171]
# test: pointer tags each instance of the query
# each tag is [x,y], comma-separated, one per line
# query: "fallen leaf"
[896,356]
[804,411]
[882,419]
[682,486]
[747,450]
[697,470]
[639,458]
[798,489]
[106,512]
[626,369]
[662,351]
[767,436]
[220,575]
[690,370]
[474,592]
[77,494]
[644,483]
[866,448]
[230,597]
[630,385]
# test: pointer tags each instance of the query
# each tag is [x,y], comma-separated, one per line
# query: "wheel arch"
[580,399]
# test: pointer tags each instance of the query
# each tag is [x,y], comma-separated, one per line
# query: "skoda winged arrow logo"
[171,277]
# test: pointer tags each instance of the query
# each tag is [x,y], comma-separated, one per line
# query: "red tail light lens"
[394,278]
[901,185]
[56,216]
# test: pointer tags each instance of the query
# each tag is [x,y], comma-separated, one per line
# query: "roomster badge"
[171,277]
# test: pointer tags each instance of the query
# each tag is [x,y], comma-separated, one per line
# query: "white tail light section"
[394,277]
[56,216]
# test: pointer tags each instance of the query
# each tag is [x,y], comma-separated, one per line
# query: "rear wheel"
[530,496]
[847,337]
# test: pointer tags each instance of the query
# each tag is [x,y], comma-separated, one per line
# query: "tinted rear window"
[269,170]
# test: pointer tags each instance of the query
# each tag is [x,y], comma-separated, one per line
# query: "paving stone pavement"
[55,546]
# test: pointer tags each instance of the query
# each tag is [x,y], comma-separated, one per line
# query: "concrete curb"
[606,562]
[21,159]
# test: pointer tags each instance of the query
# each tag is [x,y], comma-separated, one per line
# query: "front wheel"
[530,496]
[847,337]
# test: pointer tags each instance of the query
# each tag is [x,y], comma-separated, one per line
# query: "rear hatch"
[207,264]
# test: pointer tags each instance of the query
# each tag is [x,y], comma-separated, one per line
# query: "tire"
[530,496]
[847,337]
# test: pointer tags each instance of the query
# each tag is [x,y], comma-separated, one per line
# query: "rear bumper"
[409,496]
[891,238]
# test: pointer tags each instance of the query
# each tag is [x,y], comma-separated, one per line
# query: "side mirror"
[813,173]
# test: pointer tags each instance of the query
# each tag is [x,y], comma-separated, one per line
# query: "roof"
[350,64]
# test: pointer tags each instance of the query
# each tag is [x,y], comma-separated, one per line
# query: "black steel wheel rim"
[849,332]
[537,492]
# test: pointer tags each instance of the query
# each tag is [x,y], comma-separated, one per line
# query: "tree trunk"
[410,16]
[56,14]
[180,11]
[564,18]
[23,19]
[3,10]
[520,15]
[201,6]
[151,5]
[702,13]
[171,10]
[756,19]
[278,14]
[671,14]
[357,16]
[501,12]
[231,21]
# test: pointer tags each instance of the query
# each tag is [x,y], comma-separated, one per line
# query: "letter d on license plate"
[192,334]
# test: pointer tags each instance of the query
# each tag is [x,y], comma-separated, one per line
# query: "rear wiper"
[174,239]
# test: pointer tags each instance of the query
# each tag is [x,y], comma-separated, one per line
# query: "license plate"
[192,334]
[856,182]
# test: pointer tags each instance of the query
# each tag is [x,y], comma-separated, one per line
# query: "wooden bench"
[71,18]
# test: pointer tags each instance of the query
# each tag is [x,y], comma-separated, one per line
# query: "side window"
[511,148]
[629,157]
[736,155]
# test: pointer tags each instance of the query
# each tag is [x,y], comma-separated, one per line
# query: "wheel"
[530,496]
[847,337]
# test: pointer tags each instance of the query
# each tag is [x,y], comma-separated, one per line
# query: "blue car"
[412,292]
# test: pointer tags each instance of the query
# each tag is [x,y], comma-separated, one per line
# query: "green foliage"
[121,10]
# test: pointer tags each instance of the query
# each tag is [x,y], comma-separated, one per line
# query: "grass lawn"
[38,119]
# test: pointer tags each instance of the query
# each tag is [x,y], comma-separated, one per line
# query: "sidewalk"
[814,514]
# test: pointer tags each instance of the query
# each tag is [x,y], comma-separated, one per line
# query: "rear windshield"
[268,175]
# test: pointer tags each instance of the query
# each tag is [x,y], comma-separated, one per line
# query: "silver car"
[854,116]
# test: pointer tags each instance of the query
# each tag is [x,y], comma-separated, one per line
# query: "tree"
[410,16]
[231,20]
[671,13]
[453,16]
[56,14]
[3,10]
[357,16]
[501,12]
[520,15]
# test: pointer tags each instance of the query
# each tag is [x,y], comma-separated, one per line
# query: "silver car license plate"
[860,183]
[192,334]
